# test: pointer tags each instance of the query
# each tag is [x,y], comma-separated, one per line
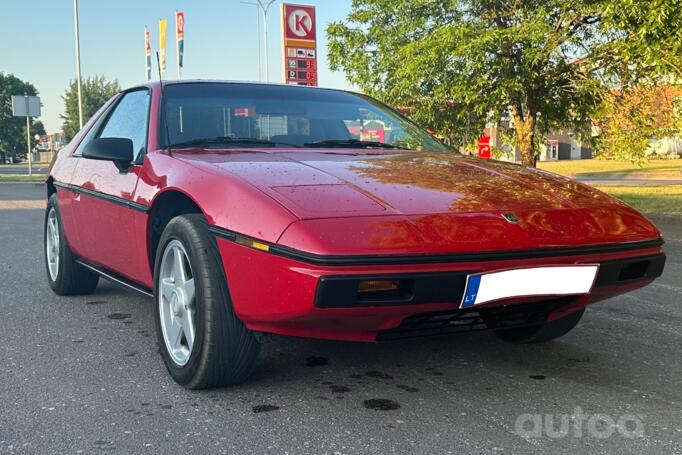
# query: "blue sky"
[220,42]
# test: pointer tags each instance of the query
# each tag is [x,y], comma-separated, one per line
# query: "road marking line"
[667,286]
[14,205]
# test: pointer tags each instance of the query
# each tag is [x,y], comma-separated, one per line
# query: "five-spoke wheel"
[176,302]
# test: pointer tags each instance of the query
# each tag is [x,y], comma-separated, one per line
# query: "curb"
[35,182]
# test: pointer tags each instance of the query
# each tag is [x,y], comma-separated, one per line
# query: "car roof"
[156,84]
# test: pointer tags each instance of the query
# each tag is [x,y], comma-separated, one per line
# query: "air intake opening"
[633,271]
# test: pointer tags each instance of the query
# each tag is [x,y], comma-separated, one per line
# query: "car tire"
[64,274]
[222,351]
[537,333]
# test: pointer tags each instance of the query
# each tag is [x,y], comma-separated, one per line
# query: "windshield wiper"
[228,140]
[351,143]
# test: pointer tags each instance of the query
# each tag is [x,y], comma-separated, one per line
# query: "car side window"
[92,132]
[129,120]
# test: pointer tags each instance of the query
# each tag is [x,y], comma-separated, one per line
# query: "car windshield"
[221,115]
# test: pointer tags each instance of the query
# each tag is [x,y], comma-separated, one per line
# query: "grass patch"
[649,199]
[660,169]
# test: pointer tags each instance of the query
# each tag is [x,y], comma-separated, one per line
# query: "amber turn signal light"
[377,285]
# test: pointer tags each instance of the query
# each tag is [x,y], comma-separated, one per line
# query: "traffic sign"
[25,106]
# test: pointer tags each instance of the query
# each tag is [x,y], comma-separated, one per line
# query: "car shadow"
[447,360]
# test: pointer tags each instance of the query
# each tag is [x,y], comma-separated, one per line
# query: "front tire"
[202,342]
[64,274]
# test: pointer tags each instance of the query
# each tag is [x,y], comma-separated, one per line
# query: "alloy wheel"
[176,302]
[52,243]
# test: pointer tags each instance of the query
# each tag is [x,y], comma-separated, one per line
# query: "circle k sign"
[300,22]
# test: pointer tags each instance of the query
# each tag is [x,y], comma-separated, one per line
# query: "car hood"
[427,192]
[322,183]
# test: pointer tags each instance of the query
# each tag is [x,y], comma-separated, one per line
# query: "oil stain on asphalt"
[339,389]
[407,388]
[381,404]
[314,361]
[265,408]
[119,316]
[378,375]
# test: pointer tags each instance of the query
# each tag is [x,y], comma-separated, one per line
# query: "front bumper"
[293,296]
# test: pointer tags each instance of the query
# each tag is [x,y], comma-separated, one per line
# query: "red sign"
[299,44]
[374,135]
[484,147]
[299,22]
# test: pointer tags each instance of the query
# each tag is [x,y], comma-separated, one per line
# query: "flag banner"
[162,44]
[148,55]
[180,35]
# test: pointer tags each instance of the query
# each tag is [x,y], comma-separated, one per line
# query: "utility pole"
[78,62]
[28,139]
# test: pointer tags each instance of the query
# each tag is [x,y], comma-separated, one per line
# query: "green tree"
[630,120]
[458,63]
[95,92]
[12,129]
[38,128]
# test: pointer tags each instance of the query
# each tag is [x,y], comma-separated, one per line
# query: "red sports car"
[245,209]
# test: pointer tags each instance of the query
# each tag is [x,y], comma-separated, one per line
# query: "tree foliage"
[12,129]
[649,36]
[459,63]
[95,92]
[632,117]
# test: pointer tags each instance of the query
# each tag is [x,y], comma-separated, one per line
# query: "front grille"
[462,321]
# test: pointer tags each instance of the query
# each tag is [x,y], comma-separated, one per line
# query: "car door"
[103,208]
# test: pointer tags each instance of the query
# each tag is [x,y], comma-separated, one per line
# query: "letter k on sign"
[300,23]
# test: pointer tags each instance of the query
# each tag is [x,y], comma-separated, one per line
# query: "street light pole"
[264,9]
[78,63]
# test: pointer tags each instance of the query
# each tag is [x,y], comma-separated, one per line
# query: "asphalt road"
[82,375]
[22,169]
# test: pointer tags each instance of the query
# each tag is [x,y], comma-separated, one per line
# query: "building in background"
[48,145]
[560,145]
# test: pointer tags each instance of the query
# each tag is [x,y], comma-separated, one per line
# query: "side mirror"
[116,149]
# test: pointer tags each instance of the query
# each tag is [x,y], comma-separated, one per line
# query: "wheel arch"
[166,205]
[49,186]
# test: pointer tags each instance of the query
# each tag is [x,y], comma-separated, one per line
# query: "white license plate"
[529,282]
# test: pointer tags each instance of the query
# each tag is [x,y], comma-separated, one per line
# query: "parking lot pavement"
[25,191]
[82,374]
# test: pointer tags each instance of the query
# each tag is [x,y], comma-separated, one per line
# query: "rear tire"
[212,347]
[537,333]
[64,274]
